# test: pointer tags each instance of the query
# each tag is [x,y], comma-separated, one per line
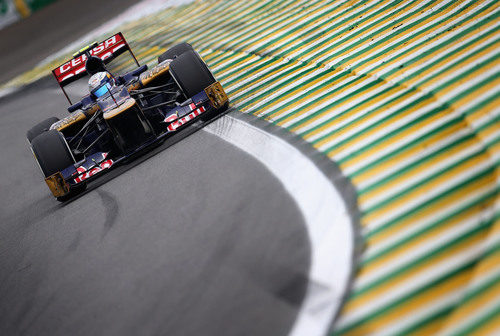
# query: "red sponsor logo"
[84,174]
[171,117]
[176,124]
[104,50]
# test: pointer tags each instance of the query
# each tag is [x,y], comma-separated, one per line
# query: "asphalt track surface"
[198,239]
[195,238]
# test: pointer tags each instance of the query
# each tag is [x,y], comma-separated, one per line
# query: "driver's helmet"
[100,83]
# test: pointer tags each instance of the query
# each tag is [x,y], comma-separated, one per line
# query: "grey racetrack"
[196,238]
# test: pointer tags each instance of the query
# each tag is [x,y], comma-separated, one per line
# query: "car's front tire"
[191,73]
[52,154]
[175,51]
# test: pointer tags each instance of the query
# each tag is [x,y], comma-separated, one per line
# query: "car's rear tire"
[191,73]
[41,127]
[175,51]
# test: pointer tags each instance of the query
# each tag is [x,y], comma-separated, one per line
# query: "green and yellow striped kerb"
[405,97]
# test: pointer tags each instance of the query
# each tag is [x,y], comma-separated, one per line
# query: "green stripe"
[469,295]
[412,123]
[287,68]
[261,30]
[426,97]
[278,63]
[239,28]
[303,70]
[494,314]
[256,66]
[410,186]
[423,205]
[430,226]
[423,138]
[308,91]
[467,267]
[426,258]
[333,93]
[272,28]
[409,146]
[423,160]
[306,70]
[334,45]
[416,58]
[321,15]
[195,32]
[415,328]
[394,34]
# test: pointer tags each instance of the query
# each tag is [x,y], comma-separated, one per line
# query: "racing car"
[122,115]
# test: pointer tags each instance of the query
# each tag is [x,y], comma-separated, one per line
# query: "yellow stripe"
[308,71]
[471,306]
[299,34]
[406,83]
[262,80]
[423,190]
[379,168]
[312,92]
[489,109]
[446,61]
[419,301]
[367,134]
[449,199]
[386,44]
[360,108]
[370,134]
[492,327]
[244,70]
[23,8]
[419,241]
[395,139]
[291,21]
[469,164]
[331,93]
[427,329]
[424,215]
[346,45]
[416,51]
[470,96]
[296,90]
[230,40]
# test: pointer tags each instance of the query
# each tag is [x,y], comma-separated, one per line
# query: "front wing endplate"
[57,185]
[217,95]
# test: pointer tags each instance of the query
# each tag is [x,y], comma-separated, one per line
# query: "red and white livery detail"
[176,124]
[104,50]
[84,174]
[171,118]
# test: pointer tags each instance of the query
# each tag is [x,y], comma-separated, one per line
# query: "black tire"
[191,73]
[51,152]
[40,128]
[175,51]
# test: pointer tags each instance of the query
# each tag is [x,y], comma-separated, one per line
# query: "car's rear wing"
[107,50]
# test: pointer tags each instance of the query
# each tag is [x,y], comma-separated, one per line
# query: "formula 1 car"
[122,115]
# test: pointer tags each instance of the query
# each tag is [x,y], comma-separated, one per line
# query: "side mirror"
[75,107]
